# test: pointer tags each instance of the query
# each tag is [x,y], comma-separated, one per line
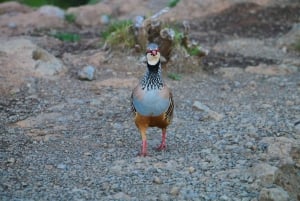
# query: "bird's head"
[152,54]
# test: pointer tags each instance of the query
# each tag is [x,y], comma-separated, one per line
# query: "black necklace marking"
[152,79]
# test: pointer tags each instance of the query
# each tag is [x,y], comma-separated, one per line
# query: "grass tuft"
[173,3]
[67,37]
[296,45]
[70,17]
[119,33]
[174,76]
[194,51]
[92,2]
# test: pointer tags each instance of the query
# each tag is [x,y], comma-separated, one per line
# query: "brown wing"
[169,112]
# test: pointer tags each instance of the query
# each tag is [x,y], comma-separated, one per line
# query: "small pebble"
[87,153]
[62,166]
[175,190]
[157,180]
[11,160]
[105,19]
[12,25]
[192,170]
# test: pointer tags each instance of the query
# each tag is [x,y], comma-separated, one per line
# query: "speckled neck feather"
[152,79]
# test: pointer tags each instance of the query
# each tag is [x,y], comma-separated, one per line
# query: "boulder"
[20,59]
[273,194]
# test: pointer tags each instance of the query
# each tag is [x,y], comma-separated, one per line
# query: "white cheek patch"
[152,60]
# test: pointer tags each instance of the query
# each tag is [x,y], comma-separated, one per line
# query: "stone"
[23,22]
[157,180]
[62,166]
[273,194]
[214,115]
[279,148]
[265,172]
[192,170]
[46,64]
[200,106]
[11,160]
[22,59]
[8,7]
[53,11]
[288,39]
[12,25]
[175,190]
[105,19]
[90,15]
[87,73]
[288,178]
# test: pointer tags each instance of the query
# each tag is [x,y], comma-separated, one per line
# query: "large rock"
[273,194]
[20,59]
[15,7]
[23,20]
[52,11]
[289,39]
[287,154]
[90,15]
[265,173]
[280,148]
[288,178]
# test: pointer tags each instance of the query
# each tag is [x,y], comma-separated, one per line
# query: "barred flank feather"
[169,112]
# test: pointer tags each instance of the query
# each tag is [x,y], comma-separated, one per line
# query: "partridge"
[152,101]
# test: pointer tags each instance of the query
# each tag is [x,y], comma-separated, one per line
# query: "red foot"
[161,147]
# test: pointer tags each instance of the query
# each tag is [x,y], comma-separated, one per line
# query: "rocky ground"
[236,131]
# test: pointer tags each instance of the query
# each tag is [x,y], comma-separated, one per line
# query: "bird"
[152,100]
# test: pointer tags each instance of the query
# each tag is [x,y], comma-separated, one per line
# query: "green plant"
[178,37]
[93,1]
[296,45]
[70,17]
[194,51]
[67,37]
[174,76]
[173,3]
[59,3]
[119,33]
[34,3]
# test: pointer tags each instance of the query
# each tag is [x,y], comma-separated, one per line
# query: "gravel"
[89,151]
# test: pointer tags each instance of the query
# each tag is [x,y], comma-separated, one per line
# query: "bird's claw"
[161,147]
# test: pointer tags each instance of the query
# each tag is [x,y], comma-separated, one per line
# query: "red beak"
[153,52]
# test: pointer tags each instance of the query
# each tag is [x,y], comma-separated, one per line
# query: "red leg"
[144,148]
[163,144]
